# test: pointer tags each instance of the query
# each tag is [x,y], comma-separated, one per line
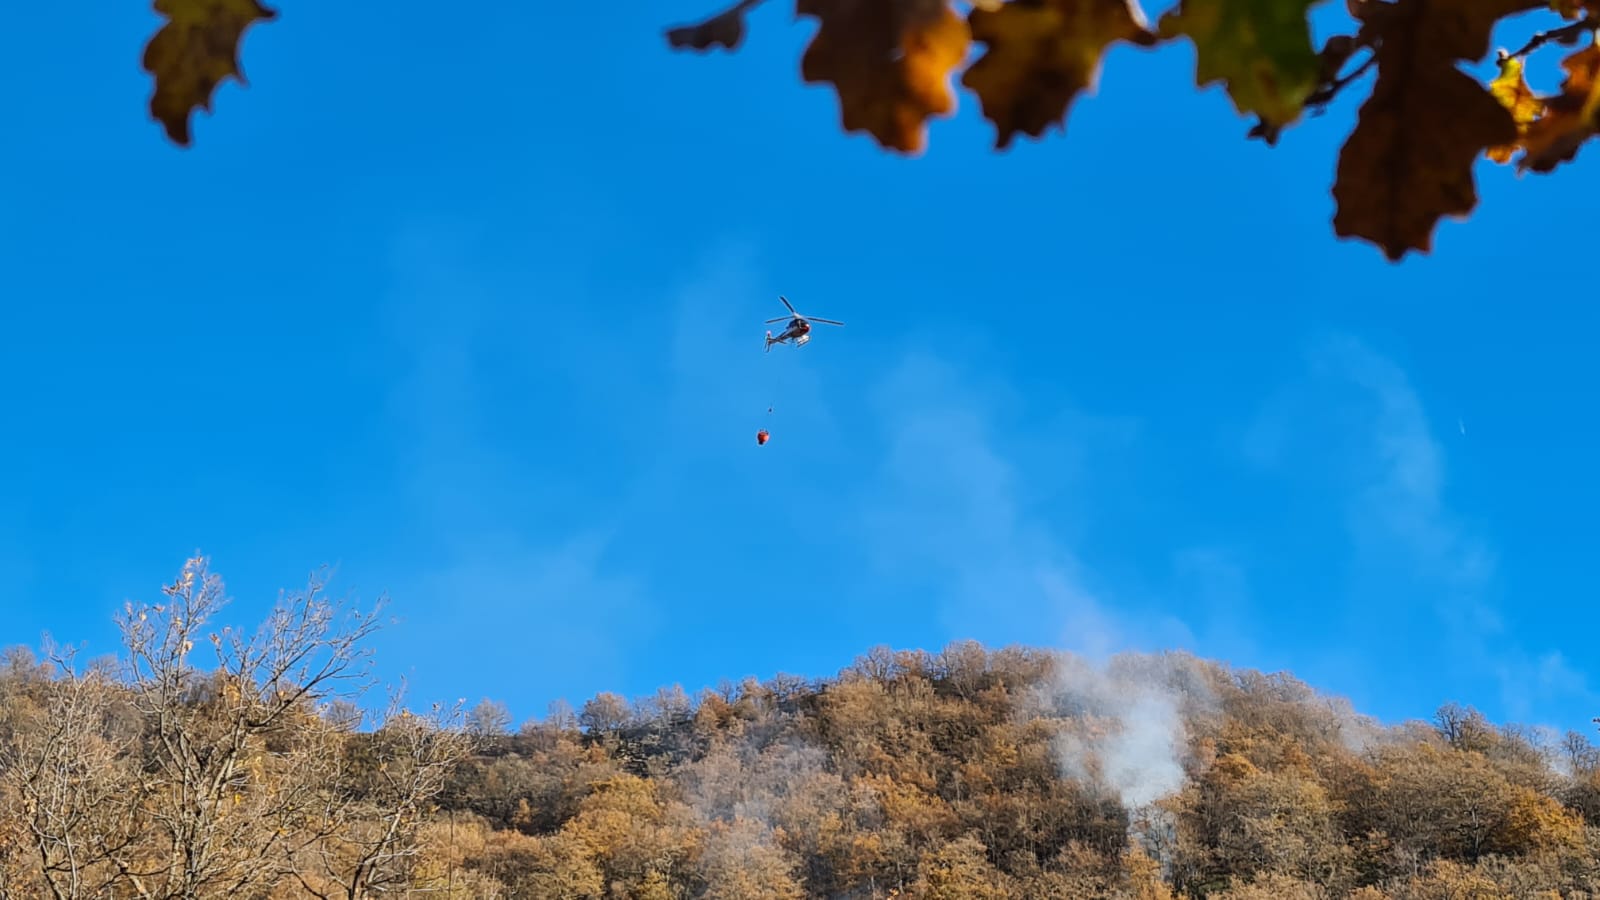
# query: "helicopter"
[798,330]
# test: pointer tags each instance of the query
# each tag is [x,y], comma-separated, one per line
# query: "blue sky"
[477,320]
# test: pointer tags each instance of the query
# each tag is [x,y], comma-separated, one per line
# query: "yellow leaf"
[194,52]
[1511,89]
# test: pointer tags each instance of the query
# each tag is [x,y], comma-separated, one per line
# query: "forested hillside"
[963,773]
[1020,773]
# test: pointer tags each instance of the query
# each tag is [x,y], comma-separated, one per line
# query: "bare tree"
[154,778]
[489,718]
[1463,728]
[560,715]
[1581,755]
[237,758]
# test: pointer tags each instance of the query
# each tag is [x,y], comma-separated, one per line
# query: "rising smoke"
[1123,723]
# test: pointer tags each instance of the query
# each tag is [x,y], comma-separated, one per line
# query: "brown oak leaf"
[193,53]
[1408,163]
[1041,54]
[890,62]
[1449,29]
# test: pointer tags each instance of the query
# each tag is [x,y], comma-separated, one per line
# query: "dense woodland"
[965,773]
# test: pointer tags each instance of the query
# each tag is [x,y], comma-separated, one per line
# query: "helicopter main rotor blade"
[778,319]
[823,321]
[787,304]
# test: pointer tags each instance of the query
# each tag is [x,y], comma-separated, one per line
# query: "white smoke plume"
[1123,727]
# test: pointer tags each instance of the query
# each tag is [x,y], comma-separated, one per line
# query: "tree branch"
[1566,35]
[1319,100]
[1335,53]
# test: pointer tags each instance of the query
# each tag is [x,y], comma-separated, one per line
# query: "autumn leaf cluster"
[1409,162]
[893,66]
